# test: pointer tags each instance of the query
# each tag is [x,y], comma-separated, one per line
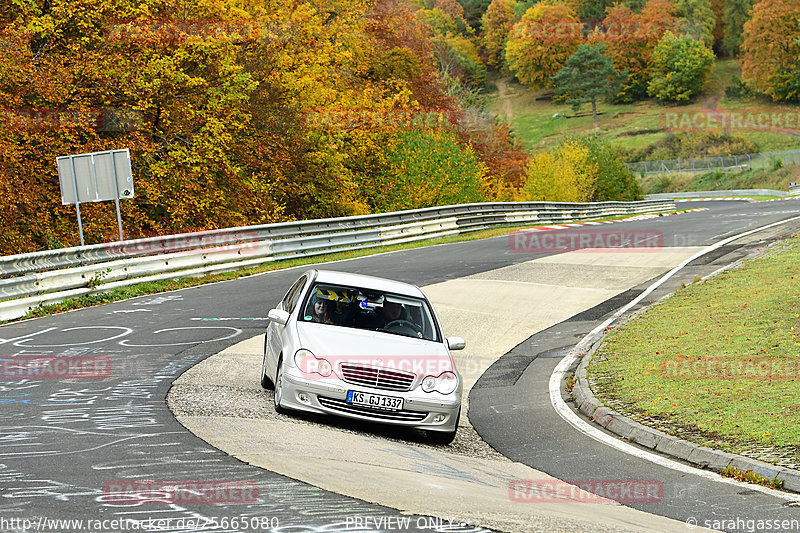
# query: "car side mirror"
[276,315]
[456,343]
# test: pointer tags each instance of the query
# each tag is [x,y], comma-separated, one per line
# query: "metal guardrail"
[33,279]
[759,161]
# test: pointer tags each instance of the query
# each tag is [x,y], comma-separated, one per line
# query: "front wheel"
[266,383]
[276,399]
[443,437]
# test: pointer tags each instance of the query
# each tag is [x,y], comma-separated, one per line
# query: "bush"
[692,145]
[681,66]
[427,168]
[565,175]
[615,182]
[581,169]
[739,89]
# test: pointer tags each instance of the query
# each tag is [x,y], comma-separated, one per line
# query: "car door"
[274,342]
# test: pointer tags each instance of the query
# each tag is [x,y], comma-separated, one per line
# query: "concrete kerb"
[700,456]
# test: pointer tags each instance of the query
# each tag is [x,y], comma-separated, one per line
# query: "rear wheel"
[279,389]
[443,437]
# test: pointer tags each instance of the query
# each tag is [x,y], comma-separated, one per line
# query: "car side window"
[293,296]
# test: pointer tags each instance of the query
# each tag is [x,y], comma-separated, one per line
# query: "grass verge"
[124,293]
[541,124]
[752,477]
[717,363]
[717,180]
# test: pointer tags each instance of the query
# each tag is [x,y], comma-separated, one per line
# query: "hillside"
[542,124]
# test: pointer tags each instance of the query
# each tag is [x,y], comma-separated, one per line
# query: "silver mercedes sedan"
[366,348]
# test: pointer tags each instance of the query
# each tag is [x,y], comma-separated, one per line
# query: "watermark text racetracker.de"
[767,368]
[548,241]
[52,367]
[125,492]
[184,523]
[241,242]
[609,491]
[743,120]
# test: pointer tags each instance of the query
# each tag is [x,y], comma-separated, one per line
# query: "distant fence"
[729,163]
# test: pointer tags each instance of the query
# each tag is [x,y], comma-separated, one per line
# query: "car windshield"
[354,307]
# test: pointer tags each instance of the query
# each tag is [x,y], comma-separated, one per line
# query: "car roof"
[368,282]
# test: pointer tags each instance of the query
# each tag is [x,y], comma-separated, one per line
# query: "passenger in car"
[319,309]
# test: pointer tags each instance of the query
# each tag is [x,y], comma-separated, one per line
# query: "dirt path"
[502,92]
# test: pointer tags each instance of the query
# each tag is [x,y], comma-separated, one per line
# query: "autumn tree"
[474,10]
[236,112]
[697,19]
[496,23]
[566,174]
[634,5]
[580,169]
[541,42]
[681,66]
[594,10]
[736,13]
[718,33]
[587,76]
[630,39]
[770,49]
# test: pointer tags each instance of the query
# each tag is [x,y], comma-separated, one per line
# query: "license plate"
[376,401]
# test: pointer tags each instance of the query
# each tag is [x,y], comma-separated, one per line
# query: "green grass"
[693,364]
[140,289]
[627,126]
[752,477]
[718,180]
[757,197]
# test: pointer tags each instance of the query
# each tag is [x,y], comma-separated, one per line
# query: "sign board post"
[95,177]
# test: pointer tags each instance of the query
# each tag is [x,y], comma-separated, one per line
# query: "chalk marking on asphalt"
[590,430]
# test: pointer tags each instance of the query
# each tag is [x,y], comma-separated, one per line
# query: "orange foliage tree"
[236,112]
[770,50]
[630,39]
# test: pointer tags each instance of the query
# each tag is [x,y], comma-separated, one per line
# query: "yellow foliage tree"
[567,174]
[541,42]
[497,22]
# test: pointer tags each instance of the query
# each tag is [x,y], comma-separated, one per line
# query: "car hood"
[372,347]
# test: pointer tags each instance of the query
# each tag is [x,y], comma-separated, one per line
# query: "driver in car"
[388,313]
[396,316]
[392,311]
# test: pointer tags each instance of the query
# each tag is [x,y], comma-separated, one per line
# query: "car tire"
[443,437]
[266,383]
[276,399]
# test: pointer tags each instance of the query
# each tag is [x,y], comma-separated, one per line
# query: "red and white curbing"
[781,199]
[716,199]
[629,219]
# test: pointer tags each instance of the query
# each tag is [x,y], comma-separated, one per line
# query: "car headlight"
[445,383]
[308,363]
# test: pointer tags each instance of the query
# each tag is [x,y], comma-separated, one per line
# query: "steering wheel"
[400,324]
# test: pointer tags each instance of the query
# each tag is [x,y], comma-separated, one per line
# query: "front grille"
[344,407]
[377,378]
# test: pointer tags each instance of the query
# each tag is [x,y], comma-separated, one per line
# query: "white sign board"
[97,176]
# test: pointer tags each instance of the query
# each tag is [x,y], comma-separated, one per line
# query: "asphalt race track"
[65,444]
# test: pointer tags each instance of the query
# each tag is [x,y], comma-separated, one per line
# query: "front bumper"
[421,410]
